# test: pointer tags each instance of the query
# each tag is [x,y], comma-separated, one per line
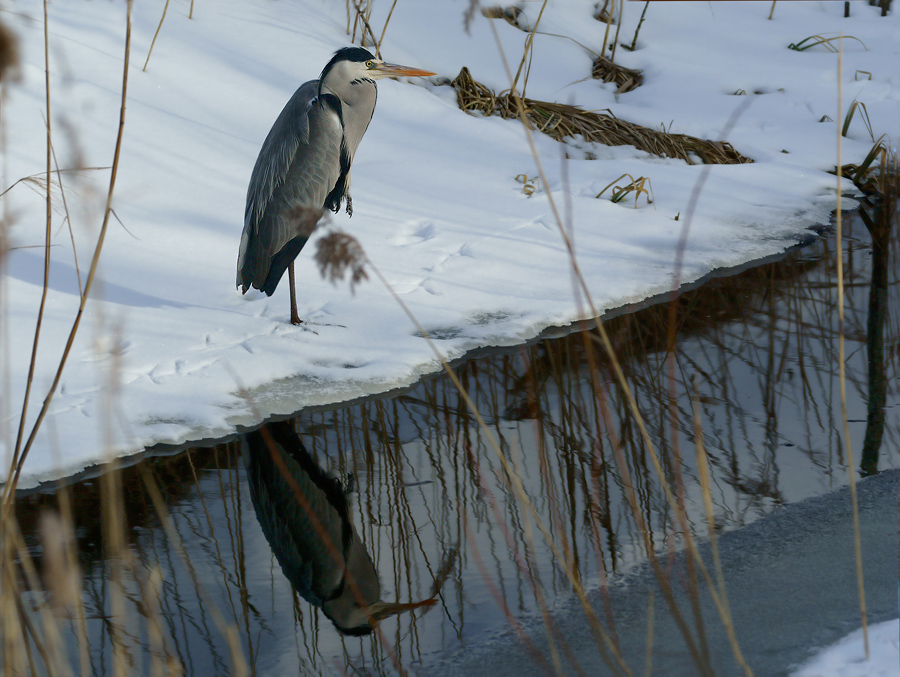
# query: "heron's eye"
[370,64]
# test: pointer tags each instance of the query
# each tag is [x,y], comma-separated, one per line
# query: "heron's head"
[352,619]
[356,64]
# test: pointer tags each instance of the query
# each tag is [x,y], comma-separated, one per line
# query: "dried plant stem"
[528,42]
[640,23]
[384,28]
[40,316]
[648,661]
[62,193]
[20,454]
[842,367]
[70,554]
[706,489]
[501,600]
[239,665]
[673,414]
[632,498]
[156,34]
[514,479]
[612,56]
[702,665]
[606,32]
[363,15]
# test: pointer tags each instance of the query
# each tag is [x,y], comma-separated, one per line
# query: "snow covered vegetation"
[460,218]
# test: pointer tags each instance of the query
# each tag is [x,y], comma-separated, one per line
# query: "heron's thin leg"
[295,318]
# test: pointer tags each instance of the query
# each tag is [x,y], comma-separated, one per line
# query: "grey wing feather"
[298,166]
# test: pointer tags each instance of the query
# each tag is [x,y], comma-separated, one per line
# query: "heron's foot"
[295,319]
[349,206]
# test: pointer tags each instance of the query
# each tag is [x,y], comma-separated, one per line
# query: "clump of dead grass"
[559,121]
[626,78]
[878,171]
[639,186]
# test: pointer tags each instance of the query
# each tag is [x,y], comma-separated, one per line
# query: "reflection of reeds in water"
[757,349]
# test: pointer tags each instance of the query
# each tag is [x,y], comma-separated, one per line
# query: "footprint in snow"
[415,233]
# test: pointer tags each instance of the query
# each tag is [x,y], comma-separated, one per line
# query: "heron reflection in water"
[304,513]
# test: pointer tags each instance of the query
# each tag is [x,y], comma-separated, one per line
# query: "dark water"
[533,499]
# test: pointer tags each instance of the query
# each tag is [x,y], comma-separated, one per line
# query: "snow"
[167,344]
[847,658]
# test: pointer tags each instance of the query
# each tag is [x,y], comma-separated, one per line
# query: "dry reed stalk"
[842,367]
[632,499]
[45,285]
[19,575]
[362,16]
[156,34]
[638,29]
[238,663]
[528,51]
[20,453]
[68,219]
[73,569]
[501,602]
[702,665]
[607,18]
[706,491]
[514,480]
[560,121]
[673,414]
[549,626]
[384,28]
[648,660]
[615,44]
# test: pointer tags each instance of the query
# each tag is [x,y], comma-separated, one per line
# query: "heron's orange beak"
[392,70]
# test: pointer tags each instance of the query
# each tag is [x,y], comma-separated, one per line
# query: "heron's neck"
[358,102]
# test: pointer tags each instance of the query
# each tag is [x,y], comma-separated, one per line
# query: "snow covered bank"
[847,658]
[167,341]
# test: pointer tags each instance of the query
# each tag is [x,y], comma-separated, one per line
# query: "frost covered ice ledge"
[166,341]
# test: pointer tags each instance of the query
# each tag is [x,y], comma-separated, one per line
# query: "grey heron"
[304,164]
